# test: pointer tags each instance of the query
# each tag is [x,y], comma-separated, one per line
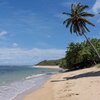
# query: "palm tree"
[78,23]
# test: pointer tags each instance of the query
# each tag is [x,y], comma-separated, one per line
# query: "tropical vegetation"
[78,23]
[50,62]
[81,55]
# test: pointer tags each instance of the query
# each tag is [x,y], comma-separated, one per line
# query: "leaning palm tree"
[78,23]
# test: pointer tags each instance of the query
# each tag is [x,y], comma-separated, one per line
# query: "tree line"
[81,55]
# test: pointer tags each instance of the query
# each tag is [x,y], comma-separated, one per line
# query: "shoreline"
[29,91]
[21,96]
[75,85]
[40,92]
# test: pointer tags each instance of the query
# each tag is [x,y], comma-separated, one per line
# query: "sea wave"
[34,76]
[10,91]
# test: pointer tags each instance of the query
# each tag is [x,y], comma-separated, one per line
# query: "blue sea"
[15,80]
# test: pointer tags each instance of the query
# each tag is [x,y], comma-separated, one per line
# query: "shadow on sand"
[88,74]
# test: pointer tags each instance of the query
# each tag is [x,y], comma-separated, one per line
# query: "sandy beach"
[76,85]
[55,67]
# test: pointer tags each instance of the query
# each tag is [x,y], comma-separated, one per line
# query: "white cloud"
[14,45]
[96,6]
[26,56]
[3,33]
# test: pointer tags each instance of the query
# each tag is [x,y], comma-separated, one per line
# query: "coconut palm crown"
[77,21]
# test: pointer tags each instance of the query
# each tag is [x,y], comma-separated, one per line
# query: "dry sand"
[46,66]
[76,85]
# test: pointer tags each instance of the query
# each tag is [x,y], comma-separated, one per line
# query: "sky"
[33,30]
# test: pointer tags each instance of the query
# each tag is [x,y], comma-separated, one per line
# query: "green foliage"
[50,62]
[78,54]
[63,63]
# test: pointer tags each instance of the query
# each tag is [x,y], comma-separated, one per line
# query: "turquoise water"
[17,79]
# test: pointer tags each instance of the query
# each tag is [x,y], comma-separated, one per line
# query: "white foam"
[9,92]
[34,76]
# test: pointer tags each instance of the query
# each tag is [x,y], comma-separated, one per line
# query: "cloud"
[96,6]
[3,33]
[28,56]
[14,45]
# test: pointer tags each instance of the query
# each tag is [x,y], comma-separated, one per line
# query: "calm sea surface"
[17,79]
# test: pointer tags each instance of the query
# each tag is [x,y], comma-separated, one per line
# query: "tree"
[73,55]
[78,23]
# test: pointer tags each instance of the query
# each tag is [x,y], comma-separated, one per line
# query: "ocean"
[15,80]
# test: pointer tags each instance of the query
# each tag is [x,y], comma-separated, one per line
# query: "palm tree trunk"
[92,46]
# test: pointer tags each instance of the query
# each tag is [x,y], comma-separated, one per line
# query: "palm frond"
[83,7]
[86,14]
[78,7]
[86,21]
[71,28]
[85,26]
[68,22]
[67,13]
[72,8]
[83,30]
[78,29]
[64,22]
